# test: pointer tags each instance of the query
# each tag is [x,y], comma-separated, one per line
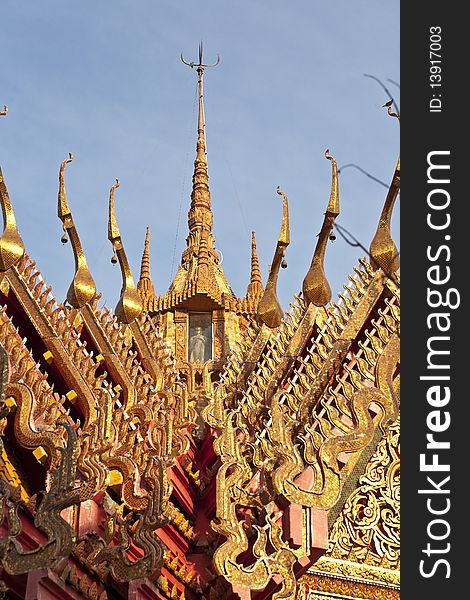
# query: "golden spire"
[11,244]
[269,309]
[83,288]
[255,287]
[316,288]
[145,285]
[200,213]
[129,305]
[383,252]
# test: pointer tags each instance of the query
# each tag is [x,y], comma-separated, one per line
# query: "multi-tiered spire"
[200,270]
[255,287]
[145,285]
[200,213]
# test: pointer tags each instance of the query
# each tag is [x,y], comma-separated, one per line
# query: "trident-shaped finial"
[199,65]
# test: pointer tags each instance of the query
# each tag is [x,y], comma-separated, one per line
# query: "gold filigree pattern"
[368,529]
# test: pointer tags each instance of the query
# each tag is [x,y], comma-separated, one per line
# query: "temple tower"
[199,316]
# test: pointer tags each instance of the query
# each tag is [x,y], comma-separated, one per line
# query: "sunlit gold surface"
[11,244]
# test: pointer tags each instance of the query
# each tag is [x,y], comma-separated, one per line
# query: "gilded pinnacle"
[255,287]
[200,267]
[145,285]
[145,264]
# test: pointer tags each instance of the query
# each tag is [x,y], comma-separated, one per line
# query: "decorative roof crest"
[83,288]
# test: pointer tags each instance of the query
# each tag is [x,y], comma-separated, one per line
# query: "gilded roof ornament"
[145,285]
[129,306]
[83,288]
[200,213]
[4,111]
[255,287]
[383,252]
[11,244]
[316,288]
[269,309]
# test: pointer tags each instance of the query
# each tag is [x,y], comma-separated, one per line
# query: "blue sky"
[104,80]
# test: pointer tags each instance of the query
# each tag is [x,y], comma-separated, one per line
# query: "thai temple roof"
[197,445]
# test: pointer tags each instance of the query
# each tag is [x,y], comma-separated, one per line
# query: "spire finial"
[145,285]
[269,309]
[201,145]
[200,213]
[316,288]
[83,288]
[255,287]
[11,244]
[145,264]
[129,305]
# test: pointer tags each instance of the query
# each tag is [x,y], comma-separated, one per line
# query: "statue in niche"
[197,345]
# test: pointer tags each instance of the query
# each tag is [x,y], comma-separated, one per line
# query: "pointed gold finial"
[11,244]
[129,305]
[200,213]
[383,252]
[145,264]
[83,288]
[269,309]
[4,111]
[145,285]
[316,288]
[255,287]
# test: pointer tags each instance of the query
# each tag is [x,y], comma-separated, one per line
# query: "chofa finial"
[11,244]
[129,305]
[316,288]
[83,288]
[269,309]
[4,112]
[383,252]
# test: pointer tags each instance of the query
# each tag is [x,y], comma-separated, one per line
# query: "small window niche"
[200,337]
